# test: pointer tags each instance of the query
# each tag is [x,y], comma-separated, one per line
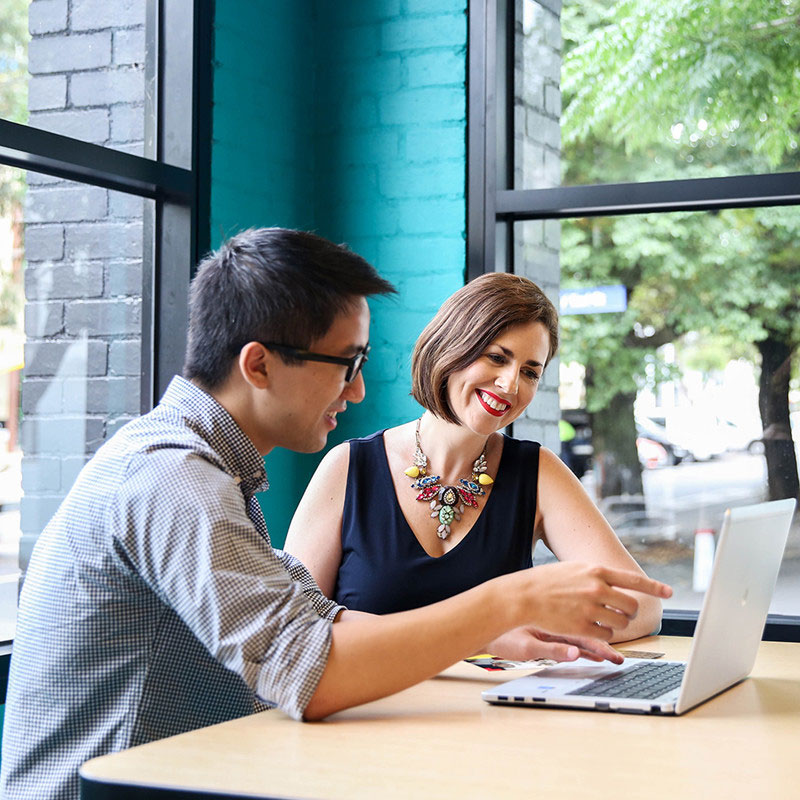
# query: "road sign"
[595,300]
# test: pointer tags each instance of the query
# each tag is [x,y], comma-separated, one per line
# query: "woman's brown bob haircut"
[466,324]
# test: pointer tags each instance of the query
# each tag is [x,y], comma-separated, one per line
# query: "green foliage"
[681,89]
[732,275]
[13,88]
[711,354]
[685,75]
[14,60]
[13,107]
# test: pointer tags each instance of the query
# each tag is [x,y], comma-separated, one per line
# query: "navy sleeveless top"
[384,567]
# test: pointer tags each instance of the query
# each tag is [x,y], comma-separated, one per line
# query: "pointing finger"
[635,581]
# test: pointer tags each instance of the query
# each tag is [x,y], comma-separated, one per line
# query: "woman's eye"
[496,357]
[531,376]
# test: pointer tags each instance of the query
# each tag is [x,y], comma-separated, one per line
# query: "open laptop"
[729,628]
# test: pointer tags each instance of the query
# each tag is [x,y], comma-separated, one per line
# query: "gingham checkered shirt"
[154,602]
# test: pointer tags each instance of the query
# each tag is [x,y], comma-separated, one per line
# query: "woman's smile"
[511,365]
[492,403]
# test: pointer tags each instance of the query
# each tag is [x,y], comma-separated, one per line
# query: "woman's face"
[497,387]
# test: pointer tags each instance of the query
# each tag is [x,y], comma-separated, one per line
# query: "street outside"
[659,529]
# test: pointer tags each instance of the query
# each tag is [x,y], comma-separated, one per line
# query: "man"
[154,603]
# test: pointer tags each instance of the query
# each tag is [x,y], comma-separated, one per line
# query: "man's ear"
[255,364]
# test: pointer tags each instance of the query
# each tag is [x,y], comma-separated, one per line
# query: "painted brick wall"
[263,159]
[391,146]
[372,138]
[83,248]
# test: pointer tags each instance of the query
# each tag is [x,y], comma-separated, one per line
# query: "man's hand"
[527,643]
[569,598]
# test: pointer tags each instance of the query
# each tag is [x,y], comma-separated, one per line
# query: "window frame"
[493,205]
[174,172]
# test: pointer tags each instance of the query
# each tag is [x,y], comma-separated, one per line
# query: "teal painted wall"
[348,119]
[262,157]
[262,165]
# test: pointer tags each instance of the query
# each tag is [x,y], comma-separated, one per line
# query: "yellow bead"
[485,480]
[412,472]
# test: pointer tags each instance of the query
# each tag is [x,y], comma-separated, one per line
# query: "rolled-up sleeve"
[327,609]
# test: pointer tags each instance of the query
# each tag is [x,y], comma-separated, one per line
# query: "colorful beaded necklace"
[447,502]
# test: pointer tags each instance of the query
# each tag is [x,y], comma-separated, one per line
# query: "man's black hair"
[270,285]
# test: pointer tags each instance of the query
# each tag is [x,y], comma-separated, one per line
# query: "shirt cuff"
[327,609]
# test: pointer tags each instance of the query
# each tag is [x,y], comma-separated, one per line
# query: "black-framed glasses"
[353,364]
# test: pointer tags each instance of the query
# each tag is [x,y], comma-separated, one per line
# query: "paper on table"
[494,663]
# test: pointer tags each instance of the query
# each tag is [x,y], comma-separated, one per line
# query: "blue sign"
[597,300]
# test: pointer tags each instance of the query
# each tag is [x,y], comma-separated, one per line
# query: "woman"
[417,513]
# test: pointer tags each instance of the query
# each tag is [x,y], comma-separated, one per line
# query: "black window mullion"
[699,194]
[52,154]
[202,113]
[481,133]
[181,49]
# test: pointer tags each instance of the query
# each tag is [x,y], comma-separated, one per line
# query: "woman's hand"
[527,643]
[570,524]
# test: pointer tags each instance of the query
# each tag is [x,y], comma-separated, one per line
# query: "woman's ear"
[255,364]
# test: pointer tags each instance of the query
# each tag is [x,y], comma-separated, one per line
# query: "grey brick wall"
[83,247]
[537,159]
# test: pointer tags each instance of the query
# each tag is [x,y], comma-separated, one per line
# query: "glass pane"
[11,360]
[81,325]
[679,379]
[78,68]
[609,92]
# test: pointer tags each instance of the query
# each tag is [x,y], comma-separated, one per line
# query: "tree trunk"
[615,455]
[773,403]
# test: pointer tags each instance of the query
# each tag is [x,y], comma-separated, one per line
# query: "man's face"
[306,397]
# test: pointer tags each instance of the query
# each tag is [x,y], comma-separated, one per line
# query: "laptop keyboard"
[644,681]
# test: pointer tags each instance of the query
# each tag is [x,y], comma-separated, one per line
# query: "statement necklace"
[448,502]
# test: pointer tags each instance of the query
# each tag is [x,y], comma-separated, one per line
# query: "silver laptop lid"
[731,623]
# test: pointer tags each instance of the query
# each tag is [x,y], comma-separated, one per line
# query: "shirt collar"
[212,422]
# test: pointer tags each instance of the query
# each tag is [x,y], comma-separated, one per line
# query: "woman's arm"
[572,526]
[315,533]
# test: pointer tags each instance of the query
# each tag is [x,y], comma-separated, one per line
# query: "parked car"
[744,435]
[652,454]
[698,433]
[649,429]
[752,438]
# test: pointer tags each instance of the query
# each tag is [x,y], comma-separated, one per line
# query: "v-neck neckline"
[401,513]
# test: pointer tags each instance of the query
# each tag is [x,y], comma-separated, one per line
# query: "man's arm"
[207,561]
[371,657]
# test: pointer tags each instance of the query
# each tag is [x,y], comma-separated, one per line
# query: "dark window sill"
[779,628]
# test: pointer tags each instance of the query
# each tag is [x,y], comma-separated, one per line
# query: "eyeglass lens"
[355,367]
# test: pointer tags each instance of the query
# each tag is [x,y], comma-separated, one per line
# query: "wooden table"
[440,740]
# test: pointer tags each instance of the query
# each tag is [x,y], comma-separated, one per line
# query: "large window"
[99,177]
[640,163]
